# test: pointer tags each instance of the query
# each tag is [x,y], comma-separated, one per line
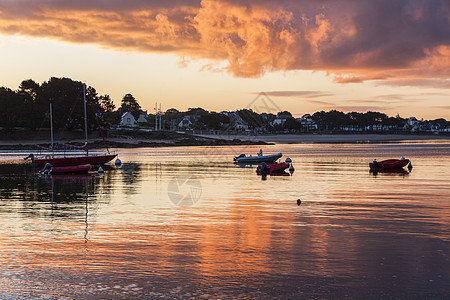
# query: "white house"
[412,121]
[237,122]
[127,120]
[308,123]
[185,123]
[281,119]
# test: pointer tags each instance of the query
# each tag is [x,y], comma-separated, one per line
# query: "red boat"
[389,164]
[274,168]
[74,160]
[71,160]
[70,169]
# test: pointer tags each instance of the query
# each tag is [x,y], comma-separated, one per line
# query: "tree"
[197,112]
[252,118]
[66,97]
[29,90]
[12,106]
[214,121]
[292,125]
[284,113]
[106,103]
[129,103]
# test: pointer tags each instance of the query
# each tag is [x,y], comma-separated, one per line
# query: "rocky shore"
[21,140]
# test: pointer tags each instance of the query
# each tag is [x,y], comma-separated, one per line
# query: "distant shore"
[333,138]
[117,139]
[136,139]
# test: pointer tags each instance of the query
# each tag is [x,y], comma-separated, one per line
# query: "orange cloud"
[355,41]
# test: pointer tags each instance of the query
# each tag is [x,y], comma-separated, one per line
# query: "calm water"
[186,222]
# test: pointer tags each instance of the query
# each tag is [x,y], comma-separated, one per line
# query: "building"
[128,120]
[308,123]
[186,123]
[237,122]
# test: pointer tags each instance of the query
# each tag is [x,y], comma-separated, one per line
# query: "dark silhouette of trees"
[28,108]
[29,90]
[252,118]
[292,125]
[129,103]
[106,103]
[12,105]
[214,121]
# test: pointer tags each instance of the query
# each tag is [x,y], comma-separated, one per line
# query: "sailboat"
[73,160]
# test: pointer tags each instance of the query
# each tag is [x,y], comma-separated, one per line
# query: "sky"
[304,55]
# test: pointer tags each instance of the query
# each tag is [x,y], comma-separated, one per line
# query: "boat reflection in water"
[393,172]
[353,236]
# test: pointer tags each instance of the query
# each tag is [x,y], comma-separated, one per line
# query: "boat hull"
[70,169]
[75,160]
[389,164]
[274,168]
[258,159]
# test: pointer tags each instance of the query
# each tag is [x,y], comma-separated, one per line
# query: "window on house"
[128,120]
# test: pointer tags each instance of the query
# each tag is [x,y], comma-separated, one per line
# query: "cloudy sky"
[306,55]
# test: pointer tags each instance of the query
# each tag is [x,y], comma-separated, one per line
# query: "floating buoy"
[299,202]
[118,162]
[100,169]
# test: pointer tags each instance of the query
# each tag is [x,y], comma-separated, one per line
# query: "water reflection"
[120,236]
[393,172]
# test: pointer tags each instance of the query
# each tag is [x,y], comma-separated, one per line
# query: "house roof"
[126,114]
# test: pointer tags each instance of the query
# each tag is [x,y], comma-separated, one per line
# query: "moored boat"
[273,168]
[71,160]
[388,164]
[242,159]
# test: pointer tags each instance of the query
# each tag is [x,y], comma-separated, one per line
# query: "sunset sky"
[306,55]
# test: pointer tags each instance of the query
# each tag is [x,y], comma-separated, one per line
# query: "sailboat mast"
[85,114]
[51,128]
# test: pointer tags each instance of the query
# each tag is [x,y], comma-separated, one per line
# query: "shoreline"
[171,139]
[334,138]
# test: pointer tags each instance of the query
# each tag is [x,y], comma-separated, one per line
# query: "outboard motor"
[264,169]
[236,157]
[46,168]
[29,156]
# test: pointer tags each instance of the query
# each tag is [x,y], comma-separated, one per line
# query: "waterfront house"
[280,119]
[185,123]
[237,122]
[128,120]
[308,123]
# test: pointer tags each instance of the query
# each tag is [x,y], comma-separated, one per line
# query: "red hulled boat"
[71,160]
[273,168]
[74,160]
[389,164]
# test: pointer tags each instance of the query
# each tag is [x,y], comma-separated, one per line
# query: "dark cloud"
[357,40]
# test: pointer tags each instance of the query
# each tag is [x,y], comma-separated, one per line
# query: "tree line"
[28,106]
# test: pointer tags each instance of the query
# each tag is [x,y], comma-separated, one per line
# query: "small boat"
[74,159]
[389,164]
[70,169]
[243,159]
[273,168]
